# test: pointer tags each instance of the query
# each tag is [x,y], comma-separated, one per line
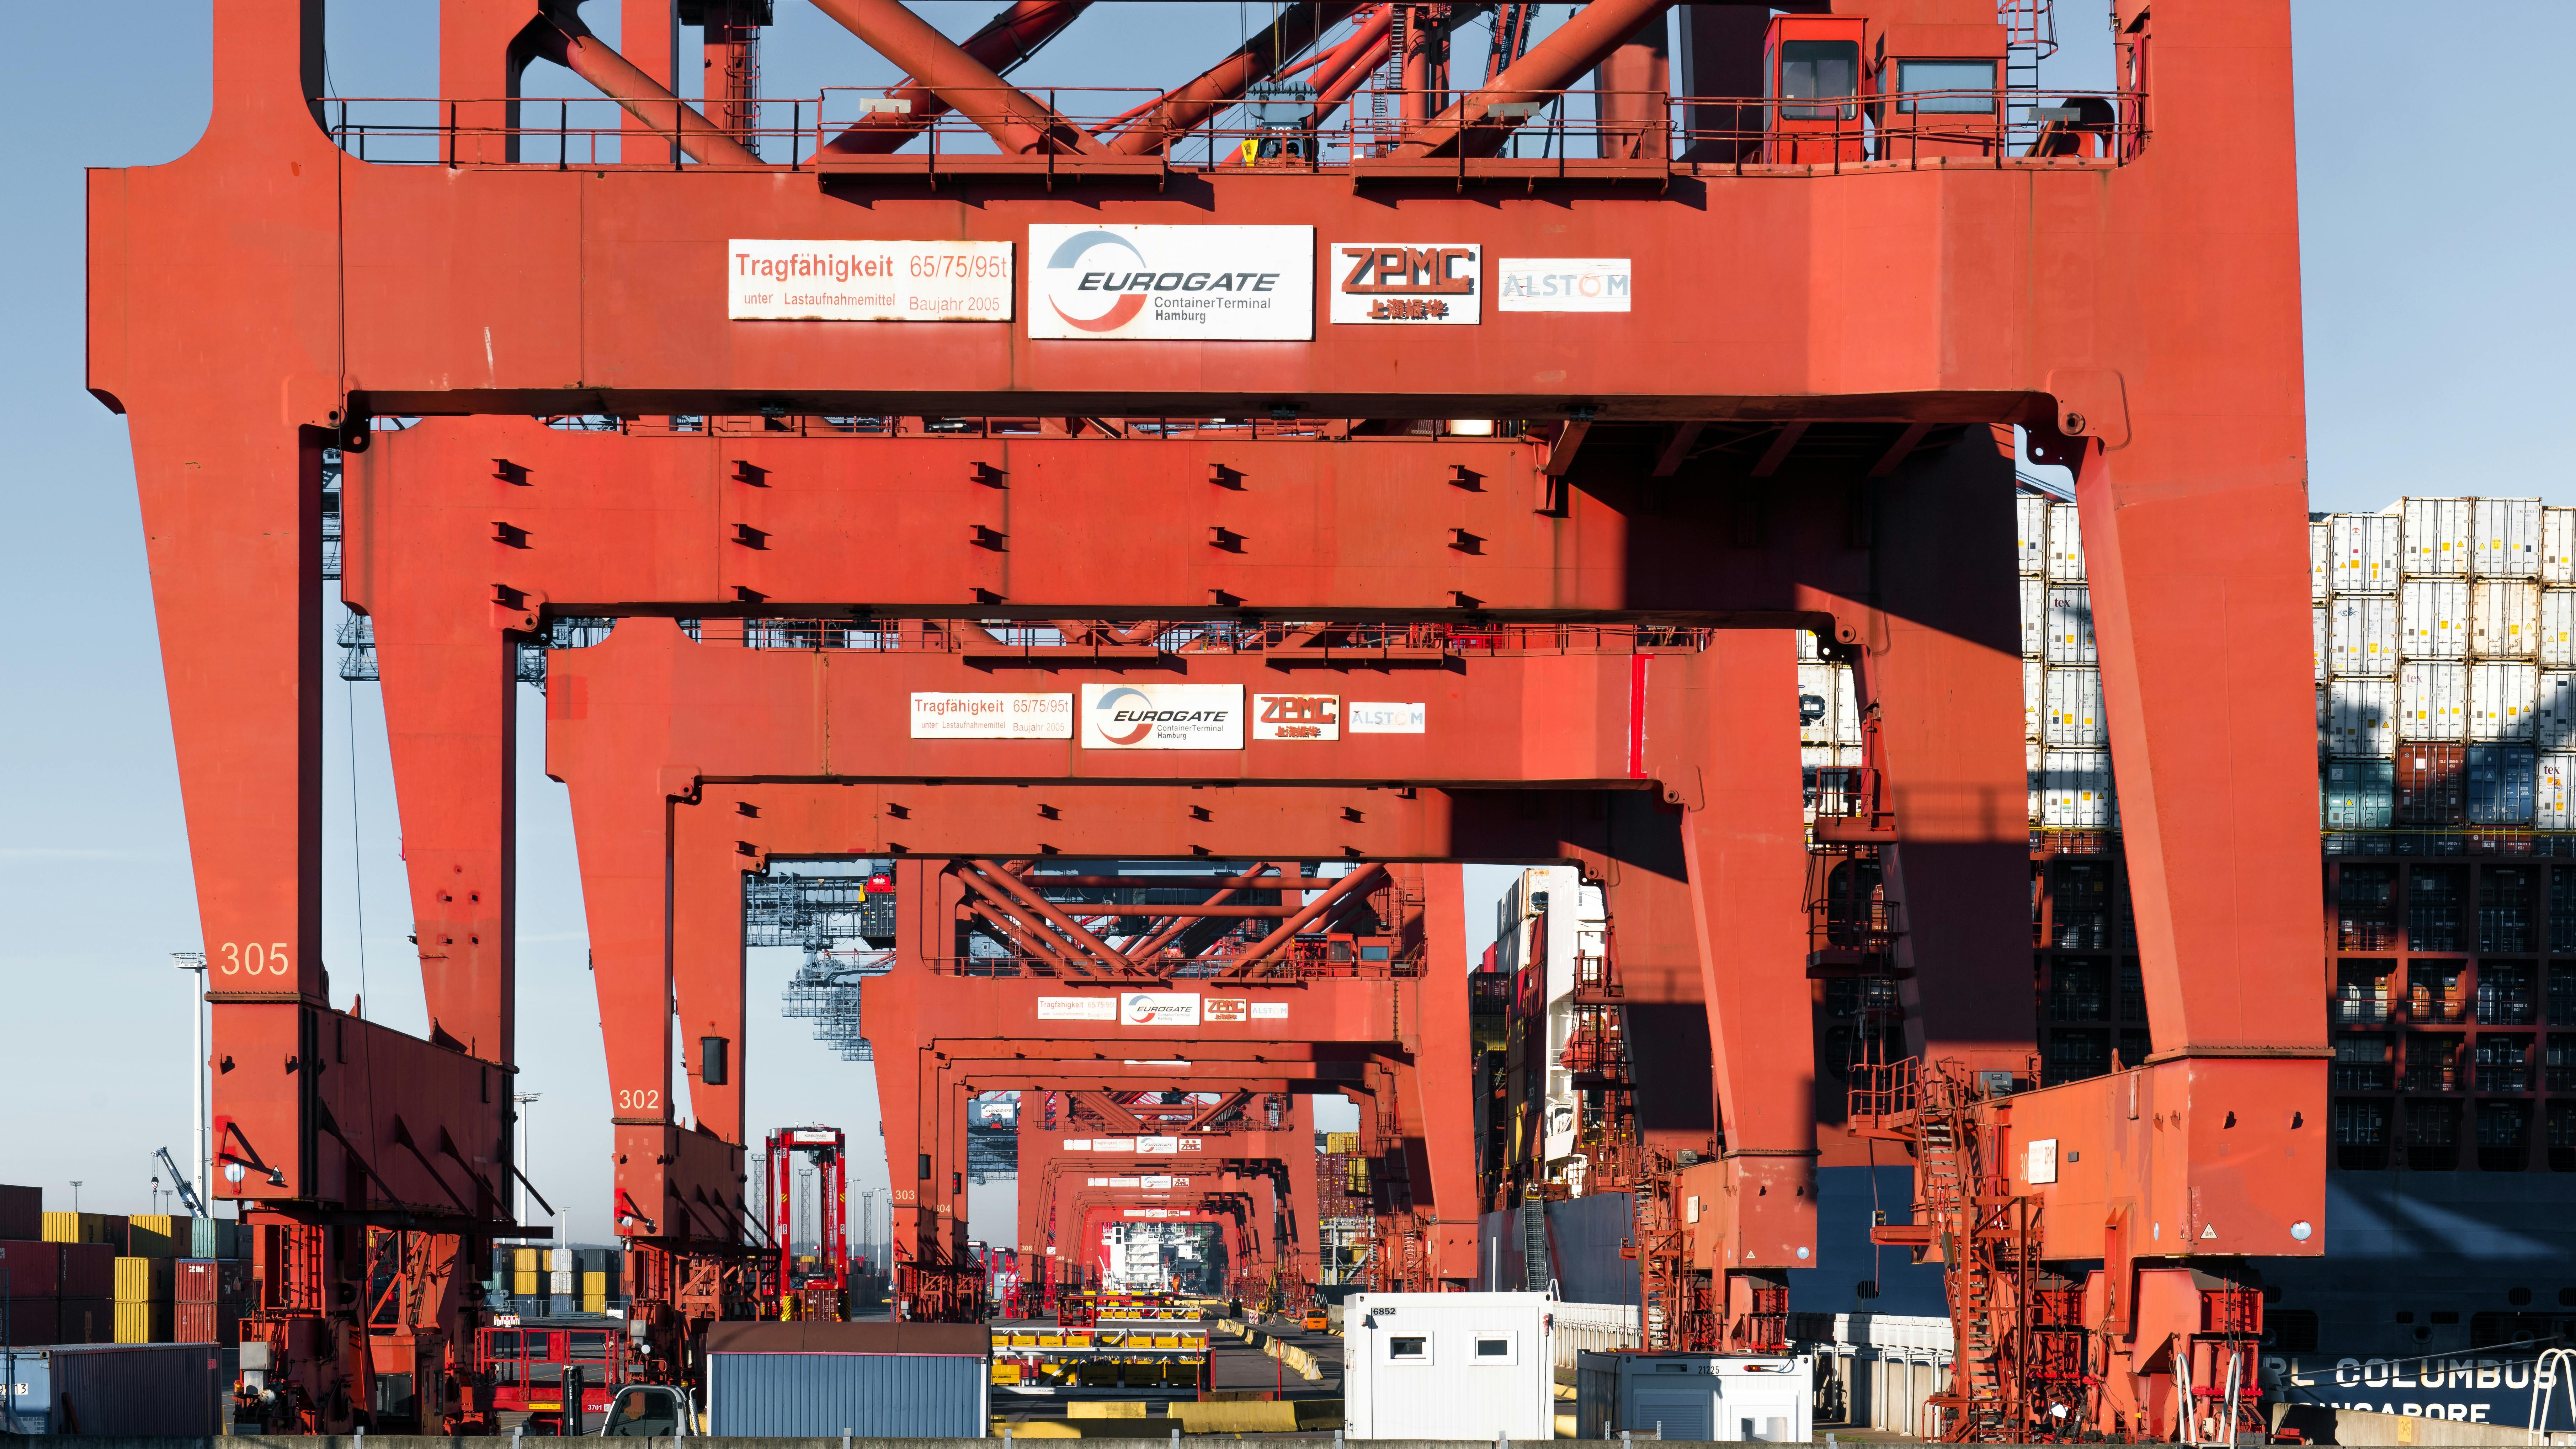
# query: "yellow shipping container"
[142,1280]
[594,1303]
[156,1235]
[524,1260]
[593,1284]
[142,1322]
[76,1228]
[524,1283]
[1341,1142]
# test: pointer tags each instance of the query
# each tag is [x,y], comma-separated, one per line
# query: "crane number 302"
[255,959]
[642,1099]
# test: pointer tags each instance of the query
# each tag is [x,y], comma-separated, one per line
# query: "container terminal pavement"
[1030,558]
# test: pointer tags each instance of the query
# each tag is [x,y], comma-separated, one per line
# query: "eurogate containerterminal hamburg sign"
[1162,716]
[867,281]
[1172,283]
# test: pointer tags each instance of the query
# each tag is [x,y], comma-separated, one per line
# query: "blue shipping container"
[173,1389]
[2501,784]
[869,1380]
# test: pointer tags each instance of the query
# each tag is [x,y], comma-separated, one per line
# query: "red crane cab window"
[1945,87]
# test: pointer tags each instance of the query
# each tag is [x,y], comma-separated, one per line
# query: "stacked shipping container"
[549,1282]
[74,1278]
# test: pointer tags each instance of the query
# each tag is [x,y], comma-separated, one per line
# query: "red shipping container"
[195,1280]
[32,1270]
[87,1320]
[89,1271]
[204,1323]
[22,1212]
[2432,784]
[34,1321]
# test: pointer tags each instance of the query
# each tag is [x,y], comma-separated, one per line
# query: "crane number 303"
[255,959]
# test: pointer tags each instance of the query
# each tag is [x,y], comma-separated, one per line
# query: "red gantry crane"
[1147,405]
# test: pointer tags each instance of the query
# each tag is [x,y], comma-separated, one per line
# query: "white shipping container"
[2504,619]
[2433,619]
[2553,715]
[2034,765]
[2317,638]
[1846,706]
[560,1281]
[1816,690]
[2034,618]
[2075,791]
[1735,1399]
[2432,701]
[559,1259]
[2361,638]
[2033,710]
[1809,652]
[2557,629]
[2501,697]
[2437,535]
[2506,543]
[2557,790]
[2030,520]
[2558,546]
[2321,719]
[1449,1366]
[2361,718]
[2074,703]
[2320,553]
[2364,549]
[2065,544]
[2070,624]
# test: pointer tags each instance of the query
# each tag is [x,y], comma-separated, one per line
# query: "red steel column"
[648,35]
[1435,1083]
[1743,838]
[707,966]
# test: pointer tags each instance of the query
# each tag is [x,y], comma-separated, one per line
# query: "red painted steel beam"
[1005,40]
[1019,123]
[559,36]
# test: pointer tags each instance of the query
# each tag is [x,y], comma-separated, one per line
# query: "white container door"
[2504,618]
[2034,708]
[2034,618]
[2437,537]
[2364,547]
[2558,546]
[2077,794]
[2361,718]
[1816,704]
[2506,541]
[2432,704]
[2554,715]
[2557,629]
[2557,778]
[2501,697]
[2320,553]
[2030,519]
[2317,638]
[2070,625]
[2075,710]
[2362,636]
[2433,619]
[2065,544]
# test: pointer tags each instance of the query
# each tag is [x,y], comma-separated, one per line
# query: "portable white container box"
[2558,546]
[2433,619]
[2363,549]
[2504,618]
[2030,519]
[2507,541]
[2437,535]
[1735,1399]
[1449,1366]
[2362,636]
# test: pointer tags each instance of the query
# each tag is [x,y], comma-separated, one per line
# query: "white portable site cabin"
[1449,1365]
[1732,1398]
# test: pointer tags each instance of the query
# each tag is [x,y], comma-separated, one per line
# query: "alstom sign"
[1172,283]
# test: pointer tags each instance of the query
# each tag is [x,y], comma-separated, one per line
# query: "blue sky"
[2435,235]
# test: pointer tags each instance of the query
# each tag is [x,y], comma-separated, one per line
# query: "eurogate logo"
[1146,283]
[1162,716]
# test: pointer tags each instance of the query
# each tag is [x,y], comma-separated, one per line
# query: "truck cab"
[650,1411]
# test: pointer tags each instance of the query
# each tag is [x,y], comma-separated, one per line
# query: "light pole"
[76,1182]
[519,1212]
[203,1161]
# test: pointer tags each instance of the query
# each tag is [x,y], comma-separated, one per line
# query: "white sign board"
[1172,283]
[1077,1008]
[1366,718]
[1561,284]
[1162,717]
[867,281]
[951,715]
[1396,283]
[1165,1145]
[1159,1008]
[1297,717]
[2043,1162]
